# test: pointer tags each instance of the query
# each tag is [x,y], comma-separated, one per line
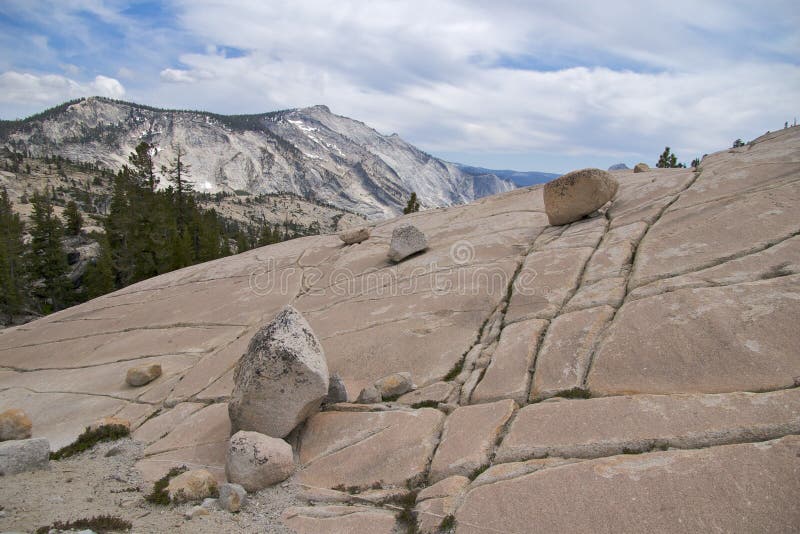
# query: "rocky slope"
[636,370]
[309,152]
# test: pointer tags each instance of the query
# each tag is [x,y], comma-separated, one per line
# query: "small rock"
[196,511]
[210,503]
[336,390]
[281,379]
[114,450]
[14,424]
[407,239]
[570,197]
[17,456]
[393,385]
[143,374]
[369,395]
[256,461]
[232,497]
[354,235]
[641,167]
[193,485]
[110,421]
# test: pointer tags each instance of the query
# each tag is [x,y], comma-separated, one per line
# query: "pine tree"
[47,261]
[178,174]
[738,143]
[99,277]
[74,218]
[143,169]
[12,282]
[413,204]
[667,160]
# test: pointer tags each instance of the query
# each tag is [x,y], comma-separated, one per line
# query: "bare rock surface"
[570,197]
[281,380]
[339,520]
[361,449]
[468,439]
[669,309]
[584,429]
[675,491]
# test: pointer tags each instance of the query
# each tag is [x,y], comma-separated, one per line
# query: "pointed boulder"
[281,379]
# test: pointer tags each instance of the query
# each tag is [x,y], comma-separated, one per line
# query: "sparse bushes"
[90,438]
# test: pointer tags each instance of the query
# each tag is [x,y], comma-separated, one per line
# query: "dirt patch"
[92,484]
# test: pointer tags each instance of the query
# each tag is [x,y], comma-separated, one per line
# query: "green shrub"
[159,495]
[99,524]
[89,439]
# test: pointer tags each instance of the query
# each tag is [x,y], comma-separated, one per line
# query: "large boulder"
[14,424]
[194,485]
[281,379]
[578,193]
[354,235]
[18,456]
[641,167]
[256,461]
[407,239]
[142,374]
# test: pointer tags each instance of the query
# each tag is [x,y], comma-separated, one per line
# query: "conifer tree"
[73,217]
[99,277]
[47,261]
[413,204]
[12,282]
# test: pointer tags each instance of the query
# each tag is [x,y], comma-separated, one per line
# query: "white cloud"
[583,80]
[49,89]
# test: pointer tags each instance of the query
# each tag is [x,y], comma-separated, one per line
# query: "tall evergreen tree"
[12,282]
[143,168]
[99,277]
[413,204]
[178,174]
[667,159]
[47,261]
[73,217]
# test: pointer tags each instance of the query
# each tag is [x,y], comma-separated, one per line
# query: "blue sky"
[528,85]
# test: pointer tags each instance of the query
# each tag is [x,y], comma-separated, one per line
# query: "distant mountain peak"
[310,152]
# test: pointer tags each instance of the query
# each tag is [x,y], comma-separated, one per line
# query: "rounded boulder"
[256,461]
[576,194]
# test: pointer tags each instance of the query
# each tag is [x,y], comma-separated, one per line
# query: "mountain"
[309,152]
[618,167]
[519,178]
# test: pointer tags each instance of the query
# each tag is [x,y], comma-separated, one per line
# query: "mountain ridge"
[310,152]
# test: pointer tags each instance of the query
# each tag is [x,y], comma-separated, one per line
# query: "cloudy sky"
[528,85]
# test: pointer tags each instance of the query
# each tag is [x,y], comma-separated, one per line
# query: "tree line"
[148,231]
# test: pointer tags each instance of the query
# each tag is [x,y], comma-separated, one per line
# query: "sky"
[506,84]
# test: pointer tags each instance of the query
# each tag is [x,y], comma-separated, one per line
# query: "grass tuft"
[406,516]
[478,471]
[425,404]
[159,495]
[455,371]
[575,393]
[99,524]
[448,523]
[89,439]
